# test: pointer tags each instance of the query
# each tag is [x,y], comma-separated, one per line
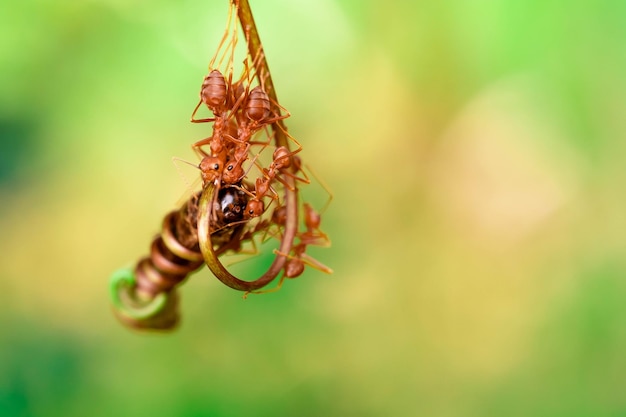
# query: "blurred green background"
[476,154]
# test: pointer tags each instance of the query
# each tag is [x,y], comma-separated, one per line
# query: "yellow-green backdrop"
[476,151]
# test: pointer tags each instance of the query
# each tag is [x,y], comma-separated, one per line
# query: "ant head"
[254,208]
[232,173]
[210,168]
[213,92]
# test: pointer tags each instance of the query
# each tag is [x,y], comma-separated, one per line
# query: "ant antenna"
[182,175]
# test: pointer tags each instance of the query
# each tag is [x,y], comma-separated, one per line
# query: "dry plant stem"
[255,49]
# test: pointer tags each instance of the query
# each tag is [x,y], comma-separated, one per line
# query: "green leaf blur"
[476,155]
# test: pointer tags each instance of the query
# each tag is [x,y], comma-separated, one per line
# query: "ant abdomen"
[258,105]
[214,90]
[279,216]
[233,203]
[312,218]
[281,158]
[294,268]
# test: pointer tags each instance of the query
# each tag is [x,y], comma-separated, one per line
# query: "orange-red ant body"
[297,258]
[312,236]
[281,160]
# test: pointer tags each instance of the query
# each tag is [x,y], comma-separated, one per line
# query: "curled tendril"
[212,260]
[122,289]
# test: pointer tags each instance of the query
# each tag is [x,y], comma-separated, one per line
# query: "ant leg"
[272,198]
[252,252]
[210,119]
[304,180]
[245,174]
[257,63]
[315,239]
[199,120]
[277,115]
[277,118]
[309,260]
[312,262]
[262,77]
[237,103]
[269,138]
[196,109]
[233,139]
[249,68]
[197,147]
[245,76]
[284,130]
[235,39]
[226,33]
[278,235]
[243,189]
[276,288]
[202,142]
[285,183]
[263,145]
[282,157]
[290,138]
[188,184]
[234,89]
[324,186]
[199,151]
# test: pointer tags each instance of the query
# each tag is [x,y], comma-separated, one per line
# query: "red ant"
[219,95]
[298,259]
[312,236]
[224,100]
[281,160]
[254,116]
